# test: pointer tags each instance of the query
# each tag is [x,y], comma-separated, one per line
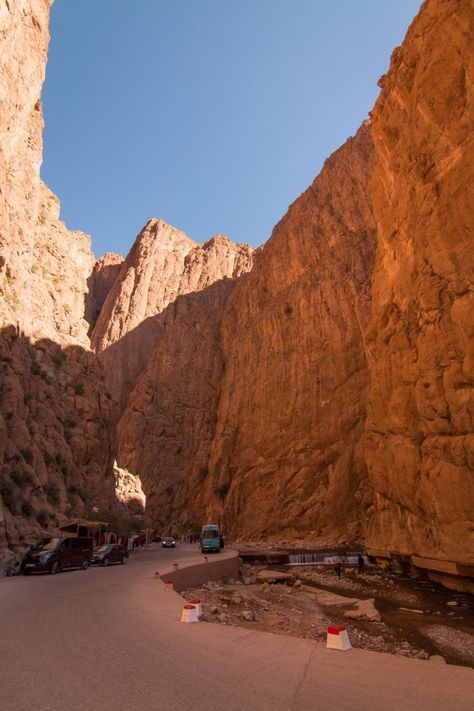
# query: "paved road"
[110,639]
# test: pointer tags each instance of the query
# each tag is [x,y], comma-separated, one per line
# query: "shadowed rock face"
[256,421]
[163,264]
[325,393]
[55,416]
[419,444]
[103,277]
[167,429]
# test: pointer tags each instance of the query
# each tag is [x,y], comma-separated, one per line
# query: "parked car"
[168,542]
[56,554]
[156,538]
[110,553]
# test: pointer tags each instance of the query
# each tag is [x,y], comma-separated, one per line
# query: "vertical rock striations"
[257,421]
[55,414]
[287,457]
[163,265]
[419,445]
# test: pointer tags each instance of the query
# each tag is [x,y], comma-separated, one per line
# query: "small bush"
[202,474]
[222,490]
[31,351]
[48,459]
[74,490]
[8,495]
[58,359]
[120,523]
[20,478]
[26,508]
[78,387]
[27,455]
[52,493]
[43,518]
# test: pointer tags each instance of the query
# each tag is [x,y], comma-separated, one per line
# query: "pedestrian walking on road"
[360,563]
[338,568]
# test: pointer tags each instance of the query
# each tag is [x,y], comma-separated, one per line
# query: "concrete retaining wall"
[221,565]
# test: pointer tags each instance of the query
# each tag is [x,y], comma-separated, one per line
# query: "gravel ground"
[416,621]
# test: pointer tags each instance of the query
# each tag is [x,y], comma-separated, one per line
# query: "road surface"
[110,639]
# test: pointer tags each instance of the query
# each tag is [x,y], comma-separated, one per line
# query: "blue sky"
[211,114]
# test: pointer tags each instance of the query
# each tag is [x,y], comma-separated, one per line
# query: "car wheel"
[122,560]
[55,568]
[85,564]
[106,561]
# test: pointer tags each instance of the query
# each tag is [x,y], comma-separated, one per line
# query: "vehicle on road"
[211,539]
[110,553]
[168,542]
[56,554]
[156,539]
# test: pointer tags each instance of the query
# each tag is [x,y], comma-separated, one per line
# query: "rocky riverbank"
[383,612]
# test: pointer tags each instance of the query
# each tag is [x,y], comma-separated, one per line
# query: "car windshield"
[169,540]
[212,533]
[47,545]
[103,549]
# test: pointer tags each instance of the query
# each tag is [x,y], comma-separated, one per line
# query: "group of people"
[360,566]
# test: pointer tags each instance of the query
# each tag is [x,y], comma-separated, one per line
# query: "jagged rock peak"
[164,263]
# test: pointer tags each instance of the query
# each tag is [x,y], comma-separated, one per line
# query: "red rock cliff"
[419,444]
[55,414]
[257,421]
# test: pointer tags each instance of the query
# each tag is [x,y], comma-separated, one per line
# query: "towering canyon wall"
[55,413]
[257,421]
[420,443]
[345,404]
[324,393]
[163,265]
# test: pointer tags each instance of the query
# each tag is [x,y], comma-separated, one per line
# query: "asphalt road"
[110,639]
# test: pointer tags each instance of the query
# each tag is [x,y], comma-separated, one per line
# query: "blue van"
[211,539]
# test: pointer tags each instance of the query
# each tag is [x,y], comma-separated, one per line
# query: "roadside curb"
[191,574]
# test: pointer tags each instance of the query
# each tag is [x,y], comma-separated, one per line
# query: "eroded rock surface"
[163,265]
[419,444]
[55,415]
[287,457]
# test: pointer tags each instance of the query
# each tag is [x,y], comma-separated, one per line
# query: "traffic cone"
[337,638]
[189,614]
[198,606]
[169,585]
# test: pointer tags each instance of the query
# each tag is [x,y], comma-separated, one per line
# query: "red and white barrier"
[197,605]
[189,614]
[156,574]
[337,638]
[169,585]
[175,565]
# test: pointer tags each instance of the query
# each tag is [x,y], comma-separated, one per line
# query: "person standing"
[360,563]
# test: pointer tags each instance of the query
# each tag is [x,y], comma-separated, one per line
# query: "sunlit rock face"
[163,264]
[251,410]
[287,458]
[419,443]
[55,414]
[319,388]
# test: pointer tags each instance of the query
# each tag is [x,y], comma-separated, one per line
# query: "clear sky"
[211,114]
